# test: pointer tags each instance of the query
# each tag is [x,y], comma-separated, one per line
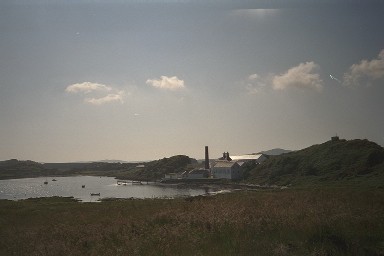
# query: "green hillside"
[156,169]
[339,162]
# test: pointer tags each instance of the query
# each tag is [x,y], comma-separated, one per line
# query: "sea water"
[82,188]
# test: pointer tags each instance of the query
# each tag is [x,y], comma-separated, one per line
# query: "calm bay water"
[17,189]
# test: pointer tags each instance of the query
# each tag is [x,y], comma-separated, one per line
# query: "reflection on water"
[81,187]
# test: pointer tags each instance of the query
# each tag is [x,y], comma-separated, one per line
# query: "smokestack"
[206,158]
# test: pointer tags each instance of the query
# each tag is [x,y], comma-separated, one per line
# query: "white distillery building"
[224,169]
[230,167]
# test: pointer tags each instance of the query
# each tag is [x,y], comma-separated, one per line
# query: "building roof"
[224,164]
[247,157]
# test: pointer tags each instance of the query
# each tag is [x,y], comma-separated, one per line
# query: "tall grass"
[288,222]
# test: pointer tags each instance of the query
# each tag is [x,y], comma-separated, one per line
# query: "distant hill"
[20,164]
[354,161]
[112,161]
[14,168]
[275,151]
[152,170]
[66,166]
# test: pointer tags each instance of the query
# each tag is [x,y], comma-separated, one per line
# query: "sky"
[142,80]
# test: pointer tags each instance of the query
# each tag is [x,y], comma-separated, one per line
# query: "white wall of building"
[227,170]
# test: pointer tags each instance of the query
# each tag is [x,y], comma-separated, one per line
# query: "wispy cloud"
[303,76]
[254,13]
[100,93]
[87,87]
[106,99]
[169,83]
[365,72]
[255,83]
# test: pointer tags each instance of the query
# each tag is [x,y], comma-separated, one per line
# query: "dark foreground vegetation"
[330,221]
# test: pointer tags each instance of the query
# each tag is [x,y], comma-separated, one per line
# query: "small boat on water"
[95,194]
[54,179]
[45,182]
[83,186]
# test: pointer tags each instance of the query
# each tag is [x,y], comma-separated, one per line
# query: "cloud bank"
[92,88]
[302,76]
[168,83]
[365,72]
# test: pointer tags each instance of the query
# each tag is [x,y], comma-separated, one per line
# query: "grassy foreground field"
[330,221]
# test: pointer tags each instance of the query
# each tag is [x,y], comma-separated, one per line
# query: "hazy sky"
[142,80]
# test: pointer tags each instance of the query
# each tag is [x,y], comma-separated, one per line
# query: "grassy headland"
[284,222]
[342,162]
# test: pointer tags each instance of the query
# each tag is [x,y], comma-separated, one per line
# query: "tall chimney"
[206,158]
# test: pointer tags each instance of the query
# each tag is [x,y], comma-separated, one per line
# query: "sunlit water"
[17,189]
